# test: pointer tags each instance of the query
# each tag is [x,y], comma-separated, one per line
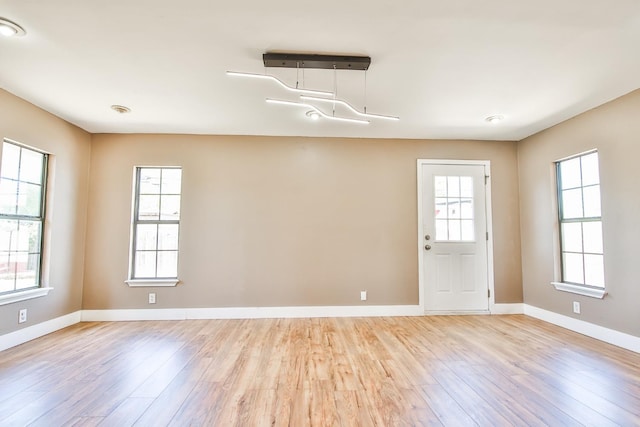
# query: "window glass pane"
[573,268]
[29,201]
[28,239]
[31,163]
[594,270]
[27,270]
[8,235]
[7,276]
[146,237]
[453,186]
[466,208]
[441,208]
[572,204]
[440,186]
[149,181]
[591,201]
[453,208]
[590,172]
[467,230]
[8,196]
[570,173]
[149,208]
[170,208]
[466,186]
[168,236]
[10,161]
[592,232]
[572,237]
[454,229]
[171,180]
[168,264]
[441,229]
[145,264]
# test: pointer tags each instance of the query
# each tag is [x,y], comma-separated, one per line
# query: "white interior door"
[454,237]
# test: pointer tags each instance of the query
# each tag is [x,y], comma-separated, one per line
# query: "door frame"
[487,194]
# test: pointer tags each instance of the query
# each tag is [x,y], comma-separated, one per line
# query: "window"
[156,222]
[22,205]
[454,208]
[580,221]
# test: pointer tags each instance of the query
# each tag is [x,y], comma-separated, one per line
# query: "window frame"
[156,281]
[593,291]
[41,288]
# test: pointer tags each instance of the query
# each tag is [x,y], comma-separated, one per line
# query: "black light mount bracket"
[326,62]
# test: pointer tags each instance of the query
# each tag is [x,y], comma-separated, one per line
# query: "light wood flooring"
[403,371]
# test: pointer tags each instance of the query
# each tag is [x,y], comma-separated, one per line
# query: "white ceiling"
[442,66]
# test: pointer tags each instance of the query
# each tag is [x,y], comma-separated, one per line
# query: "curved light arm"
[280,82]
[326,116]
[349,106]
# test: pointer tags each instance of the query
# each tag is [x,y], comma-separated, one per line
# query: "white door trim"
[490,276]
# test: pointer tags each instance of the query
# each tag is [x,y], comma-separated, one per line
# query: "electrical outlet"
[363,295]
[152,298]
[576,307]
[22,315]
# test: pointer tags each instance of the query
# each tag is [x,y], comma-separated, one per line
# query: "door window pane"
[453,202]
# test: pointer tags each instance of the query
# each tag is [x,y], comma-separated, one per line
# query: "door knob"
[427,247]
[427,237]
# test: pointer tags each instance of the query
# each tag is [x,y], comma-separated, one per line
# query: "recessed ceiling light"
[11,29]
[121,109]
[494,119]
[313,115]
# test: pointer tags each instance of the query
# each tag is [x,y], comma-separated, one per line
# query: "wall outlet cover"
[363,295]
[152,298]
[576,307]
[22,315]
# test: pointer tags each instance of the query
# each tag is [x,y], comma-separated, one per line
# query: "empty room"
[284,213]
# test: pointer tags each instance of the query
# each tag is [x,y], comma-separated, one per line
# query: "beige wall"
[614,129]
[285,221]
[70,148]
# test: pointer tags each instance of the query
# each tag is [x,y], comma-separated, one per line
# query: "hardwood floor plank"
[442,370]
[127,412]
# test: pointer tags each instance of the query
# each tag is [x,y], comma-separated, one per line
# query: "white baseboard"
[611,336]
[517,308]
[29,333]
[251,312]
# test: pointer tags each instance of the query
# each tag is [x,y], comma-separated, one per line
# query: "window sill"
[148,283]
[580,290]
[23,295]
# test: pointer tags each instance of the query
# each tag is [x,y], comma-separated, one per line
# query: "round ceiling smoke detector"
[313,115]
[121,109]
[494,119]
[10,28]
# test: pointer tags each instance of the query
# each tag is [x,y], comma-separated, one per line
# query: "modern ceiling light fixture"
[11,29]
[311,97]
